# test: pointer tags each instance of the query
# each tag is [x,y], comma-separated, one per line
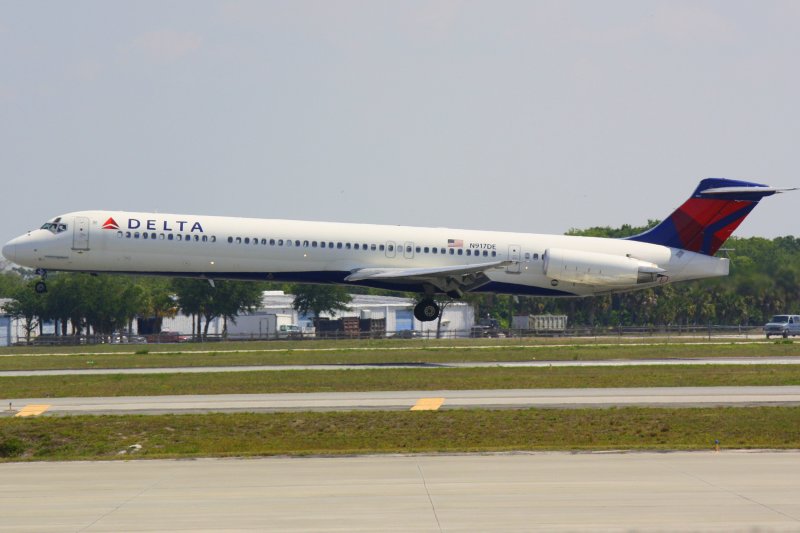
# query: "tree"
[26,306]
[319,299]
[225,298]
[10,282]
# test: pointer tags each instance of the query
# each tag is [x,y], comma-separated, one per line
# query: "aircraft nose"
[10,251]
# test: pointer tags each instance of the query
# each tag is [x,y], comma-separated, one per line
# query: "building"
[457,319]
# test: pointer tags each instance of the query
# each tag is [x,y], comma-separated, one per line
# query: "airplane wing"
[459,279]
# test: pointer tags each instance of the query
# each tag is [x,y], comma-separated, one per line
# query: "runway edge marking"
[428,404]
[33,410]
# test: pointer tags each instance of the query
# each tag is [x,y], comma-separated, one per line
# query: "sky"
[531,116]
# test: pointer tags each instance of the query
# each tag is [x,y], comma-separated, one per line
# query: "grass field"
[247,434]
[343,352]
[396,379]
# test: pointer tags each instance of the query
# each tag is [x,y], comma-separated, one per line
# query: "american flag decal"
[455,243]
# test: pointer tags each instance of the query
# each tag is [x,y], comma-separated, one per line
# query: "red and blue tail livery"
[706,220]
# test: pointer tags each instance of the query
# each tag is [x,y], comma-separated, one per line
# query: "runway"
[404,400]
[698,491]
[746,361]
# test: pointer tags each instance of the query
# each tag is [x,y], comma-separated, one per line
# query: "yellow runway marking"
[33,410]
[428,404]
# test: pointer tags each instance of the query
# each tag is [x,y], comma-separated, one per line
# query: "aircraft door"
[408,250]
[513,255]
[390,249]
[80,234]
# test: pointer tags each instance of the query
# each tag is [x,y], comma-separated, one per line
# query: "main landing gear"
[426,311]
[41,286]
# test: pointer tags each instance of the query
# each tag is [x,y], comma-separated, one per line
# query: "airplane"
[425,260]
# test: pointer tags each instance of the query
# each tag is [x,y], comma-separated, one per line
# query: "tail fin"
[707,219]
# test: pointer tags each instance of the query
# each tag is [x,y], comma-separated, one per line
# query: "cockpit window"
[54,227]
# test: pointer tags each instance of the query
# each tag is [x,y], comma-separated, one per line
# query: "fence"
[666,332]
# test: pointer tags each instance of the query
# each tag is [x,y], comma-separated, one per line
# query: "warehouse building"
[397,312]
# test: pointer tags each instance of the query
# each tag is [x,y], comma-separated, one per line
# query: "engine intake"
[592,268]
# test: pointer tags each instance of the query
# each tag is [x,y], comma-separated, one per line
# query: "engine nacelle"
[592,268]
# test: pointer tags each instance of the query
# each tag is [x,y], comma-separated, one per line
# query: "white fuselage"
[322,252]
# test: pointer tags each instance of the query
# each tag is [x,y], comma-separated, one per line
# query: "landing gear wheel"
[426,311]
[40,287]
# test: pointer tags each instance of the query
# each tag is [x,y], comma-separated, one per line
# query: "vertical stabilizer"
[706,220]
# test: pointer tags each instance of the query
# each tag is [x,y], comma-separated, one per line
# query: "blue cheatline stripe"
[337,277]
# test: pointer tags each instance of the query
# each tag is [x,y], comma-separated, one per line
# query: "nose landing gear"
[41,286]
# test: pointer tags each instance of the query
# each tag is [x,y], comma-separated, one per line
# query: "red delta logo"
[110,224]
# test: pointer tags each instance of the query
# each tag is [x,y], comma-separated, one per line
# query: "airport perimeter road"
[388,400]
[788,360]
[699,491]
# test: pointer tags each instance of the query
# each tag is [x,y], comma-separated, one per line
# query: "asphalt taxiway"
[397,400]
[743,361]
[696,491]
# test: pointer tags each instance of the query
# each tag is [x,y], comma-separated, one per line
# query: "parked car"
[783,325]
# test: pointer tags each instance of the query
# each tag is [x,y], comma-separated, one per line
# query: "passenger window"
[280,242]
[214,238]
[418,248]
[119,235]
[205,238]
[460,251]
[356,246]
[247,240]
[408,249]
[347,245]
[373,247]
[297,243]
[230,239]
[127,234]
[136,235]
[535,256]
[391,247]
[426,249]
[170,237]
[238,240]
[161,236]
[272,242]
[313,244]
[179,237]
[485,253]
[452,251]
[494,253]
[381,248]
[339,245]
[434,250]
[322,244]
[145,235]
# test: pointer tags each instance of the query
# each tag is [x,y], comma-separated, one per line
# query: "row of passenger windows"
[359,246]
[165,236]
[315,244]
